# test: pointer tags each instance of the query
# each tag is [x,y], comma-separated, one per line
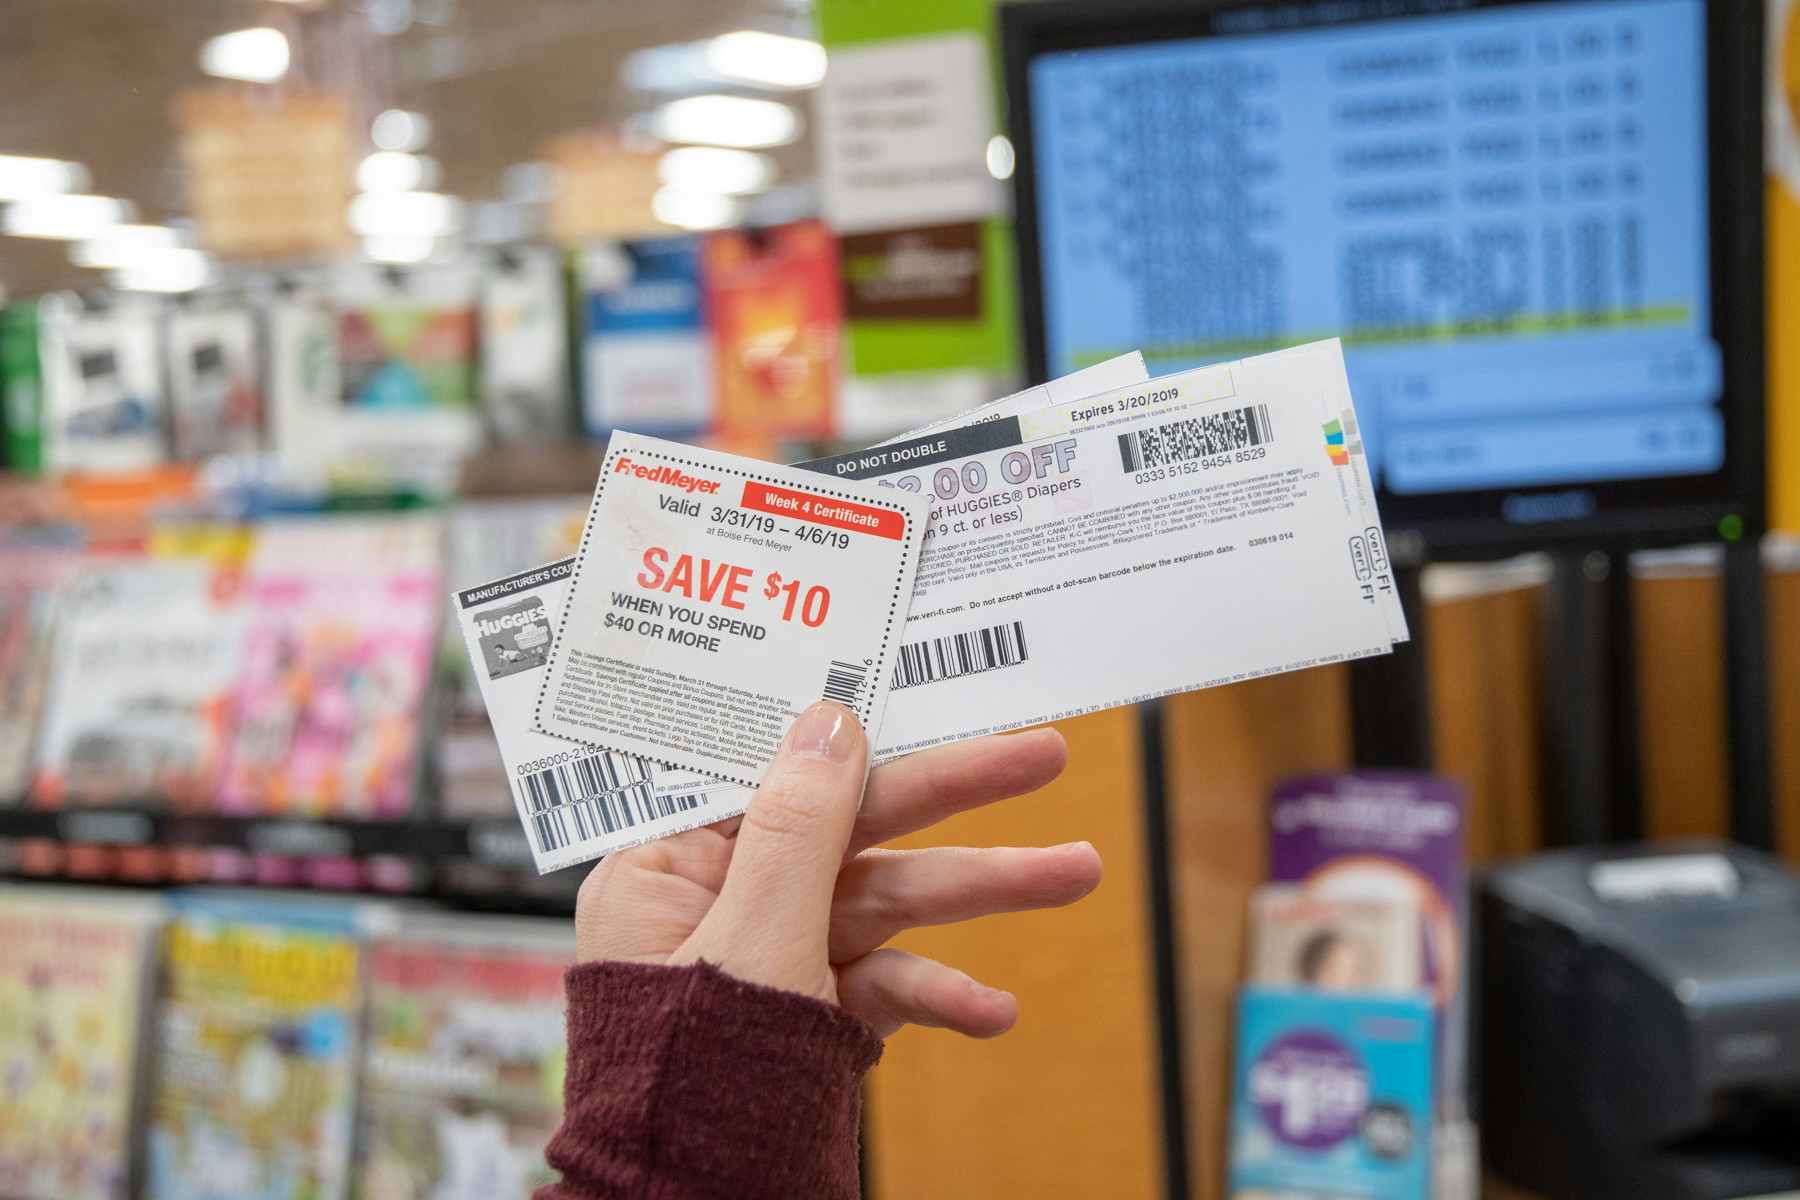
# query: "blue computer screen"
[1501,210]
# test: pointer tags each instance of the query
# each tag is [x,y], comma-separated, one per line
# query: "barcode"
[1196,437]
[583,779]
[584,819]
[844,681]
[960,654]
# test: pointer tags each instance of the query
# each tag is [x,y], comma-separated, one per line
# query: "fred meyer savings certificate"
[1203,528]
[715,597]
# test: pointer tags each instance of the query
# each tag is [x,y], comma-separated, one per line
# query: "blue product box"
[1331,1096]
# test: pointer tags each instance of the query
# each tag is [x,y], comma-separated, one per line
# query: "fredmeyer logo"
[673,477]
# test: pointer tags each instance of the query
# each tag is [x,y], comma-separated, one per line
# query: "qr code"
[1196,437]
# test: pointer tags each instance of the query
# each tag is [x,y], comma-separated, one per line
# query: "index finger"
[918,791]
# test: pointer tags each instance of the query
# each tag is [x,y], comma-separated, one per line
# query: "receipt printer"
[1638,1013]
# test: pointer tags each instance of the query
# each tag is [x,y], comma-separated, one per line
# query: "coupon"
[576,802]
[714,597]
[1127,369]
[1201,529]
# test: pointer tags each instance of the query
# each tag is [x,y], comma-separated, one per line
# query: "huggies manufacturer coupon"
[1204,528]
[715,597]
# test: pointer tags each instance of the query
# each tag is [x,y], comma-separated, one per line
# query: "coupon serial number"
[1174,470]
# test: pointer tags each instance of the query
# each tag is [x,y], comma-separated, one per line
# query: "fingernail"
[983,991]
[1082,845]
[825,731]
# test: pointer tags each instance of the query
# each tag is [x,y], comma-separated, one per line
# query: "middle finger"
[882,892]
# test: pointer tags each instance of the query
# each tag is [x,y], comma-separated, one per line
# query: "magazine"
[463,1086]
[31,570]
[74,969]
[337,661]
[146,655]
[256,1051]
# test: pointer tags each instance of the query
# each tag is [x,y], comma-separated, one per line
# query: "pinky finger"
[890,988]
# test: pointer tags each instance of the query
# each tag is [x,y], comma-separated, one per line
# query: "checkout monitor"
[1535,224]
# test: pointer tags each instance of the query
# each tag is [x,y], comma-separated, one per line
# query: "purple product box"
[1392,835]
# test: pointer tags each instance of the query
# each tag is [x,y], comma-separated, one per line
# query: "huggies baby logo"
[1310,1089]
[514,637]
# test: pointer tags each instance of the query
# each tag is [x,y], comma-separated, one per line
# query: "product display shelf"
[480,864]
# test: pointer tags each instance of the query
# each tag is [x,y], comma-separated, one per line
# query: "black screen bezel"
[1637,512]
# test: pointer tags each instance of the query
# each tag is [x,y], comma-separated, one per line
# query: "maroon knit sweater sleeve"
[686,1083]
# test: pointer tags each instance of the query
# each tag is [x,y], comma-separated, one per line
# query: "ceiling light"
[693,210]
[395,171]
[767,59]
[171,269]
[715,169]
[123,245]
[21,177]
[257,55]
[397,129]
[1000,157]
[399,248]
[727,121]
[70,217]
[404,214]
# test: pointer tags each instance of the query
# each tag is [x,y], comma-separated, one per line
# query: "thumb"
[772,919]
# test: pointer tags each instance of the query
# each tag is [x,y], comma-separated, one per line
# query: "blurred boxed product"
[775,308]
[647,361]
[1332,1096]
[1349,1055]
[103,406]
[215,380]
[524,345]
[1393,836]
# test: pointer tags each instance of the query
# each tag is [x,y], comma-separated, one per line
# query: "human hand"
[794,894]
